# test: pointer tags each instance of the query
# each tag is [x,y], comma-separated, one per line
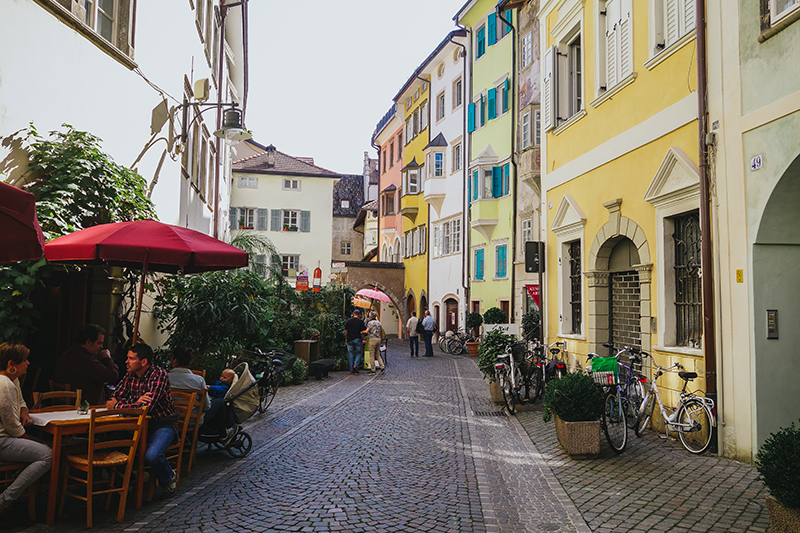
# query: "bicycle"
[545,368]
[605,372]
[693,417]
[267,372]
[509,376]
[631,381]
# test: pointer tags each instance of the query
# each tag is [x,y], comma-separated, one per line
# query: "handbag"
[383,334]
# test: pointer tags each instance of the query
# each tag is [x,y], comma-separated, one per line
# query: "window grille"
[575,285]
[688,295]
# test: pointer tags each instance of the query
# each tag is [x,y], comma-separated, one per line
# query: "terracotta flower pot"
[782,519]
[472,348]
[579,439]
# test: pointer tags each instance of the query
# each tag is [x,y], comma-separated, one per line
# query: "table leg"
[52,493]
[140,468]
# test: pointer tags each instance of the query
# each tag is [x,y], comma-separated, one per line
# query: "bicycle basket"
[605,370]
[518,351]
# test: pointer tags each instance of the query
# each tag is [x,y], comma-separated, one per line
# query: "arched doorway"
[423,305]
[451,315]
[776,294]
[411,305]
[625,296]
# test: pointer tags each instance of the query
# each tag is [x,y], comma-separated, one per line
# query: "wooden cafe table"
[65,421]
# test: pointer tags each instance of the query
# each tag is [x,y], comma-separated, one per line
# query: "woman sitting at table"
[15,444]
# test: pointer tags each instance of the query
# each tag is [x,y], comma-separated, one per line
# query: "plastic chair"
[193,429]
[111,454]
[185,404]
[8,471]
[43,400]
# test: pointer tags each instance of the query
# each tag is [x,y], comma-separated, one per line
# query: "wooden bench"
[320,368]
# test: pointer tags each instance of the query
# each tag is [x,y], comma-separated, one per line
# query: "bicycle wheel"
[645,413]
[633,403]
[508,393]
[697,436]
[267,392]
[614,425]
[454,346]
[443,343]
[537,383]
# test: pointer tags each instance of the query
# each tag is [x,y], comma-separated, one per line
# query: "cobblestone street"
[423,448]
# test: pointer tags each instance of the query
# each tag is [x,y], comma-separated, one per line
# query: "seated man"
[87,366]
[146,384]
[181,376]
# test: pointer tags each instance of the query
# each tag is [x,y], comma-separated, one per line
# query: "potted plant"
[576,402]
[530,324]
[778,462]
[492,345]
[473,323]
[495,315]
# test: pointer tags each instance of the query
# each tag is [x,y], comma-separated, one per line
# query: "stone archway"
[387,277]
[598,277]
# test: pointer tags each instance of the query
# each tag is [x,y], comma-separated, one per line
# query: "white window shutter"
[671,29]
[612,38]
[548,92]
[688,16]
[625,44]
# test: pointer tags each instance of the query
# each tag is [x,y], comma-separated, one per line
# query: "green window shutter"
[261,219]
[471,117]
[497,182]
[492,98]
[505,96]
[507,16]
[478,264]
[305,221]
[491,28]
[501,261]
[234,220]
[506,179]
[277,266]
[481,42]
[275,220]
[476,181]
[483,110]
[469,191]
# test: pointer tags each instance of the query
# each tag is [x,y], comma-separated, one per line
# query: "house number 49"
[756,162]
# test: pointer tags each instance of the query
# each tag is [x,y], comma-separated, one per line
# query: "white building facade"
[444,181]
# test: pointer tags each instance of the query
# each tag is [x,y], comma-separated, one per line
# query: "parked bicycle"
[544,368]
[454,342]
[267,371]
[692,419]
[508,372]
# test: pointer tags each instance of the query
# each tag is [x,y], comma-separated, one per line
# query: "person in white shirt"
[182,377]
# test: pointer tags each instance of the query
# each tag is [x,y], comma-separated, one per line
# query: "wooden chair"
[113,454]
[43,400]
[55,385]
[201,373]
[8,473]
[193,430]
[184,403]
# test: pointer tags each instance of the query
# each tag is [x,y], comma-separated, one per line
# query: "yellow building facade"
[620,181]
[413,105]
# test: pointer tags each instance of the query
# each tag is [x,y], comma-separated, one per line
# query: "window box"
[287,227]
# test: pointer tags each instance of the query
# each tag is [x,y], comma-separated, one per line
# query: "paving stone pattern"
[423,448]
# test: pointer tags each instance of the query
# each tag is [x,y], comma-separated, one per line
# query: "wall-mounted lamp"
[231,130]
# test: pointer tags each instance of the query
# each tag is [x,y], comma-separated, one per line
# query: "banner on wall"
[533,292]
[302,281]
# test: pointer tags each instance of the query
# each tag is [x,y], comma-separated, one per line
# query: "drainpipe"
[707,278]
[465,174]
[378,149]
[512,108]
[467,144]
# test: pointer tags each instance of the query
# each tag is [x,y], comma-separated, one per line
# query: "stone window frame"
[569,226]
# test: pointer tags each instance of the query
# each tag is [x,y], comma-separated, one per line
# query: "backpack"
[420,327]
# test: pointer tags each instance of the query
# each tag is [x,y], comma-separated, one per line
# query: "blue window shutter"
[471,117]
[506,92]
[234,220]
[481,44]
[497,182]
[275,220]
[506,179]
[261,219]
[476,177]
[483,110]
[469,191]
[506,27]
[305,221]
[492,97]
[491,28]
[501,261]
[478,264]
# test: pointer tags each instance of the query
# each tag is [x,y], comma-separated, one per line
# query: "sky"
[324,72]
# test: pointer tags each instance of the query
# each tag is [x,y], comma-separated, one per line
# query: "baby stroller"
[241,401]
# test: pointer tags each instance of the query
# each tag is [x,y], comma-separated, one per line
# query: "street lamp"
[231,130]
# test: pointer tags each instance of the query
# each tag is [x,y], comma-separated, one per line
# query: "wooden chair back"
[184,404]
[8,473]
[114,436]
[55,385]
[193,429]
[43,400]
[201,373]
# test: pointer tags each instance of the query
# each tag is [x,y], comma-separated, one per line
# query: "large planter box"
[782,519]
[579,439]
[308,351]
[496,392]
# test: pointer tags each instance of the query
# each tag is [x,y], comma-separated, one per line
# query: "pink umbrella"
[375,294]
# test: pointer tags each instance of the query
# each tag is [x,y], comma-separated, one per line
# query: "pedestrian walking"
[413,336]
[353,330]
[430,326]
[376,336]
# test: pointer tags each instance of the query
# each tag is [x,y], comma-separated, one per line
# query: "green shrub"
[296,374]
[530,324]
[778,462]
[492,344]
[574,398]
[473,322]
[495,315]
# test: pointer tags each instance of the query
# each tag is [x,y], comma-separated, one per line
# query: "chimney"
[270,156]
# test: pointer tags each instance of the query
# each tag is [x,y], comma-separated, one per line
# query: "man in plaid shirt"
[146,384]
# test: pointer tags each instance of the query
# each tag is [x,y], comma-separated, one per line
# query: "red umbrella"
[148,245]
[21,237]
